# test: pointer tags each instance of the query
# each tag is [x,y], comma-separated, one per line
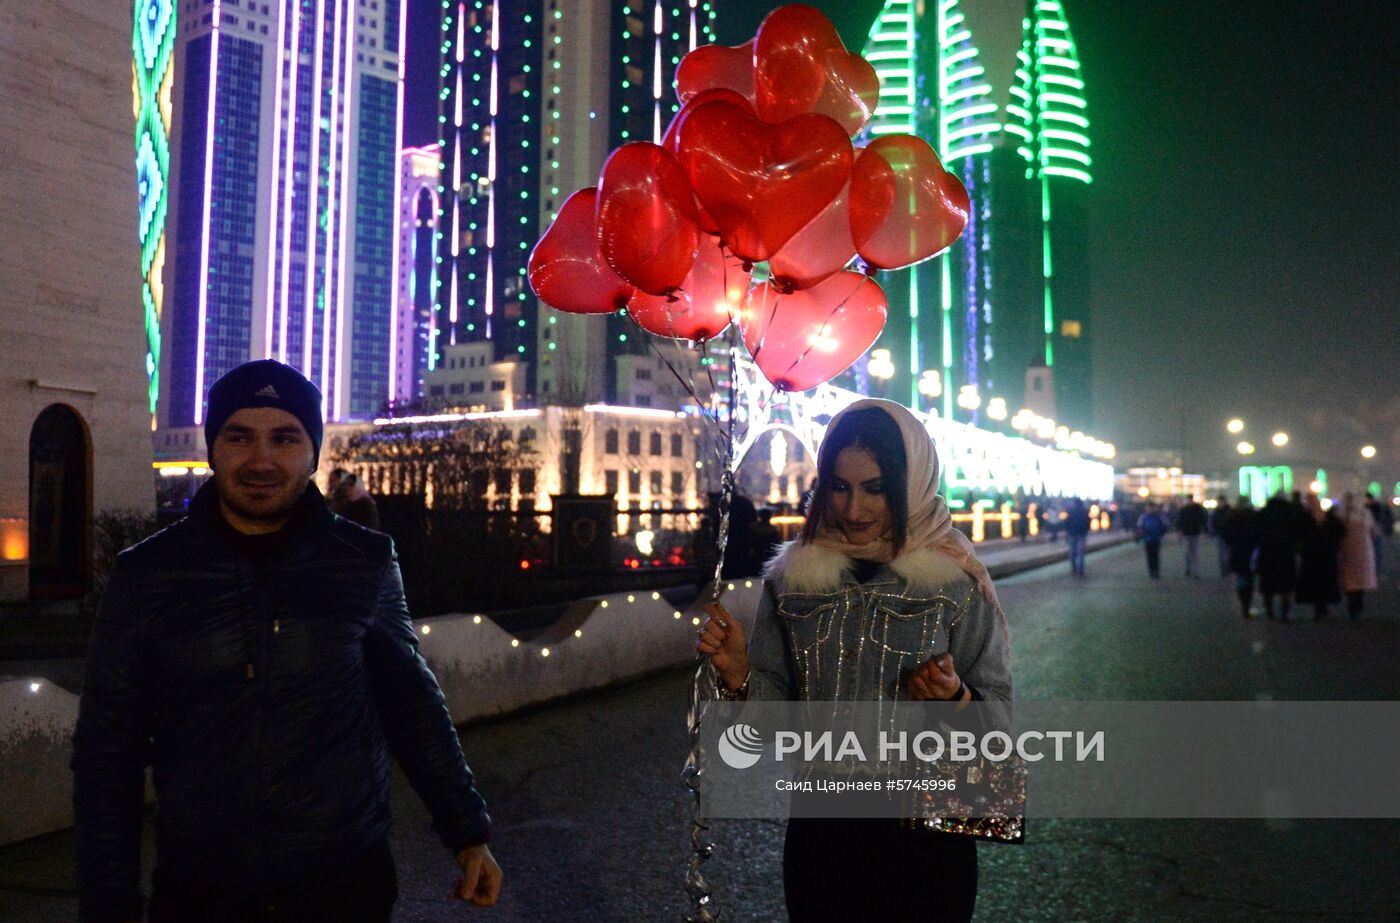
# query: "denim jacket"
[821,636]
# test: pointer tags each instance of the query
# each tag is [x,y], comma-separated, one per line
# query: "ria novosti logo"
[741,746]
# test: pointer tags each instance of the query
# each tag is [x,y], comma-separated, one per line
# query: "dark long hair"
[872,429]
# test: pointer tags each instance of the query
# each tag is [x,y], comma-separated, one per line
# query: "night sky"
[1246,217]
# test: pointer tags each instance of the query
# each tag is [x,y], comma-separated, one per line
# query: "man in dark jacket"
[259,656]
[1191,522]
[1077,527]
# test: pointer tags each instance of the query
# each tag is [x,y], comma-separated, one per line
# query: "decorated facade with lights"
[420,174]
[998,91]
[535,93]
[152,80]
[284,199]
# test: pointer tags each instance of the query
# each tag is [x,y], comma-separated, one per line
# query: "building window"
[503,482]
[456,388]
[611,478]
[644,374]
[676,446]
[610,442]
[634,442]
[677,483]
[435,391]
[478,387]
[527,482]
[655,444]
[634,482]
[643,400]
[498,385]
[655,483]
[1072,329]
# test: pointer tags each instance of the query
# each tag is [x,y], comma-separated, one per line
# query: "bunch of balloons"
[758,166]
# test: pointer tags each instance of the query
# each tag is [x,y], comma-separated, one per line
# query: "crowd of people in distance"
[1292,549]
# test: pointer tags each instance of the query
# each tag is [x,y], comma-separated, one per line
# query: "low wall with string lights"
[486,670]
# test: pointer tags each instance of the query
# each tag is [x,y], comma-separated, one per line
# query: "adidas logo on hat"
[267,391]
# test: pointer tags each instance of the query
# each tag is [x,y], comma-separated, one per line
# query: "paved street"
[591,818]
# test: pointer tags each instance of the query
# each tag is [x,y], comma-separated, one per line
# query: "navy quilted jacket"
[266,691]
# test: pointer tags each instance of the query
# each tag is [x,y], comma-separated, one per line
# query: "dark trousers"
[1077,545]
[845,870]
[1154,558]
[359,890]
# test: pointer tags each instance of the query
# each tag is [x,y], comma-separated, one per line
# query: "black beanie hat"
[264,383]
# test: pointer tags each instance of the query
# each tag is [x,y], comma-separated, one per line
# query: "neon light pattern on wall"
[152,75]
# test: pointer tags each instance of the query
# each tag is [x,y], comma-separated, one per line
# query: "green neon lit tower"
[994,86]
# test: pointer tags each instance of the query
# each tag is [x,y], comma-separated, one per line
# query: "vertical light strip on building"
[153,73]
[656,26]
[270,311]
[693,38]
[289,183]
[491,171]
[398,206]
[342,20]
[204,221]
[313,173]
[891,50]
[343,257]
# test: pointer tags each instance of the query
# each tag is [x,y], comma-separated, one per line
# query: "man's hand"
[481,877]
[935,680]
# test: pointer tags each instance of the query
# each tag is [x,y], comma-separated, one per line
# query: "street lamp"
[931,384]
[1368,452]
[968,398]
[996,408]
[1280,439]
[1235,426]
[881,367]
[1245,448]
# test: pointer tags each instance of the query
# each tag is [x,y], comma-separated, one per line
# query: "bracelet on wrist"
[735,695]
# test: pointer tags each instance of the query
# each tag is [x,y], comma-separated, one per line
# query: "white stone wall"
[71,320]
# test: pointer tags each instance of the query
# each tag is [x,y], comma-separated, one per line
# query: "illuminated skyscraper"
[420,174]
[535,93]
[995,86]
[285,185]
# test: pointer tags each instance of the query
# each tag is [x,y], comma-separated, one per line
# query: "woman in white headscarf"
[881,599]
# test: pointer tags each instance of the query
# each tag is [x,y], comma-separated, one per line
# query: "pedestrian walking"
[1278,530]
[1358,555]
[878,545]
[1151,529]
[1191,523]
[1242,536]
[1215,525]
[1318,580]
[259,656]
[1077,527]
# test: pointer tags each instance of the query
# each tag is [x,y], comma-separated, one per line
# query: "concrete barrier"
[603,641]
[36,742]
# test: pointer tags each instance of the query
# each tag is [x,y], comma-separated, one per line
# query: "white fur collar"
[817,569]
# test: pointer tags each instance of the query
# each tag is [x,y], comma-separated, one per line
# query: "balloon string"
[703,683]
[772,315]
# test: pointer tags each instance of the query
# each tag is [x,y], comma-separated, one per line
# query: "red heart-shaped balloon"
[801,339]
[566,270]
[714,67]
[671,140]
[823,247]
[647,224]
[762,183]
[706,303]
[801,66]
[852,90]
[904,206]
